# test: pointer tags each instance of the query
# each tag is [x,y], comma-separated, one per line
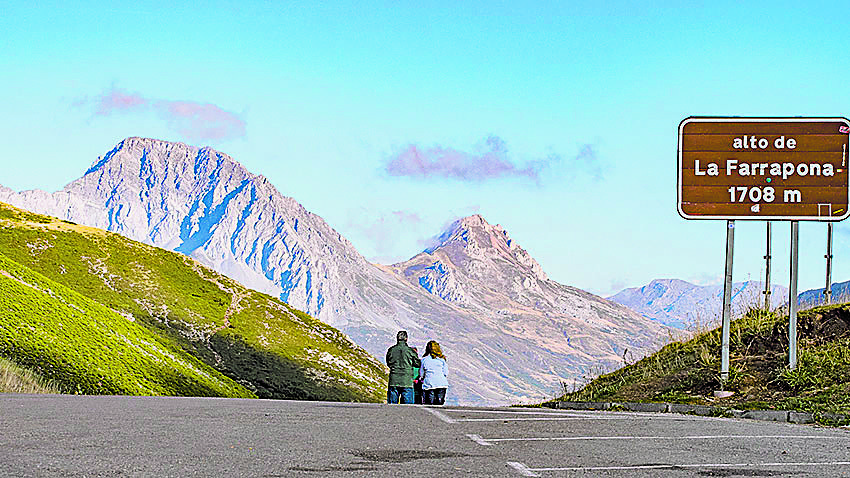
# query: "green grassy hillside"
[84,347]
[688,372]
[258,341]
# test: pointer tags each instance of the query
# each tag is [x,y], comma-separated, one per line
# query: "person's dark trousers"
[405,394]
[417,392]
[435,396]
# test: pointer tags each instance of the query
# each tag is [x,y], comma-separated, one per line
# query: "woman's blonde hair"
[433,349]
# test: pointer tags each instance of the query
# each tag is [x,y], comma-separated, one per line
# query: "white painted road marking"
[478,439]
[543,416]
[581,414]
[489,441]
[566,418]
[526,471]
[518,412]
[522,469]
[442,416]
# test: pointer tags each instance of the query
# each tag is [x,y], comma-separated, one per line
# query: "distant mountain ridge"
[513,334]
[815,297]
[680,304]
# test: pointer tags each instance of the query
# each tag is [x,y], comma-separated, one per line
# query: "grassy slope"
[16,379]
[688,372]
[262,343]
[84,347]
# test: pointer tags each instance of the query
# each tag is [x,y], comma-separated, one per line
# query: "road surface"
[53,436]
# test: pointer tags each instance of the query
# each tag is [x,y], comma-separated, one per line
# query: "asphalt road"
[51,436]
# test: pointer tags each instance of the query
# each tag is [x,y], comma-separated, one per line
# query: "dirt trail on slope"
[236,296]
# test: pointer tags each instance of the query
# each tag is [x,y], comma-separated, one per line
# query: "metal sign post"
[727,302]
[767,271]
[764,169]
[827,291]
[792,302]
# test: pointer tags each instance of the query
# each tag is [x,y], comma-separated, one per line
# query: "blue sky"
[573,107]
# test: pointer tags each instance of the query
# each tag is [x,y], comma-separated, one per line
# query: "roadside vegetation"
[689,371]
[264,348]
[16,379]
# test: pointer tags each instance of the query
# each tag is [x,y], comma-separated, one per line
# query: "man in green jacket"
[401,359]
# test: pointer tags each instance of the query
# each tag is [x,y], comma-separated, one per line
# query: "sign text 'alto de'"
[764,168]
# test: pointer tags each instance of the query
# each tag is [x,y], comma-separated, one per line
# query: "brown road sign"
[764,168]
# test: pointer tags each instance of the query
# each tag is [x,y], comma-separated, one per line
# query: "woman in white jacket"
[433,373]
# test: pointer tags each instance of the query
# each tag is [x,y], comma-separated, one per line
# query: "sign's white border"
[752,119]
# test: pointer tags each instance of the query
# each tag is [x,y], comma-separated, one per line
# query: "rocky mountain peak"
[203,203]
[146,157]
[473,232]
[474,238]
[475,220]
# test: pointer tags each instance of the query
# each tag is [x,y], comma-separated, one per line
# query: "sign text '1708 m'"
[763,168]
